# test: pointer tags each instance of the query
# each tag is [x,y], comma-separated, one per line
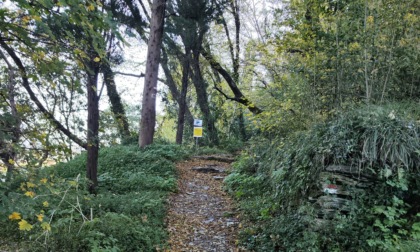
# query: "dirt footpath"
[201,216]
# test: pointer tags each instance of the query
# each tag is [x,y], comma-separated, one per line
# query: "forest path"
[201,215]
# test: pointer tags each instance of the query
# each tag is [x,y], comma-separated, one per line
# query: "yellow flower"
[44,181]
[370,19]
[15,216]
[40,217]
[30,194]
[24,225]
[45,203]
[46,226]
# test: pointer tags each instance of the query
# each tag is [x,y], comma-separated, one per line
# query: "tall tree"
[51,43]
[148,112]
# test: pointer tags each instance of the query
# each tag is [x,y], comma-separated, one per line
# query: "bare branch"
[141,75]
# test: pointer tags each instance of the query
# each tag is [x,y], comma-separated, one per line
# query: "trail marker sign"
[198,123]
[198,131]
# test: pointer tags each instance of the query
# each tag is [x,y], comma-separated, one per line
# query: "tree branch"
[238,96]
[141,75]
[49,115]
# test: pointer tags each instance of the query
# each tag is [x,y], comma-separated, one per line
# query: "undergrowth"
[50,209]
[275,182]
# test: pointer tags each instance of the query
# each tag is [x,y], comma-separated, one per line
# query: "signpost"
[198,130]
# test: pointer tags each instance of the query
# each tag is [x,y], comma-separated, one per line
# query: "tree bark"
[93,126]
[117,107]
[148,112]
[182,98]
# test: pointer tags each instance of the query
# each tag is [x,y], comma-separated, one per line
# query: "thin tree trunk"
[7,150]
[148,112]
[172,86]
[203,103]
[182,98]
[93,127]
[117,107]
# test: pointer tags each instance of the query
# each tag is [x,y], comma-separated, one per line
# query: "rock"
[220,158]
[207,169]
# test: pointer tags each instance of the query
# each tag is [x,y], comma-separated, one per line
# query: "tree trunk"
[7,150]
[93,126]
[203,103]
[117,107]
[172,86]
[148,111]
[182,98]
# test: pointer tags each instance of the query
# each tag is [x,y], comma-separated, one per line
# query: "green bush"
[382,142]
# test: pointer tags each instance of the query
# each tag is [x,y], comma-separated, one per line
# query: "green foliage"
[127,213]
[276,186]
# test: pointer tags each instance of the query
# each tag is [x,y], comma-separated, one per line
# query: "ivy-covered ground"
[50,209]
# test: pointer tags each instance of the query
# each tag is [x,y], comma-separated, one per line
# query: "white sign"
[331,189]
[198,123]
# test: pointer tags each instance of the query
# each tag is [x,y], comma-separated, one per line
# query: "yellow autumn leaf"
[30,194]
[40,217]
[30,185]
[45,203]
[22,187]
[15,216]
[46,226]
[44,181]
[26,19]
[24,225]
[97,59]
[91,7]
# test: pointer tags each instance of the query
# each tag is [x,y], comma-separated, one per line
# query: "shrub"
[381,142]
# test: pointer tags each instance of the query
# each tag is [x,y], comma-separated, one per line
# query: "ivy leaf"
[15,216]
[30,194]
[46,226]
[24,225]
